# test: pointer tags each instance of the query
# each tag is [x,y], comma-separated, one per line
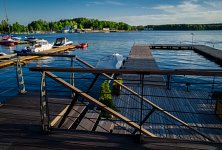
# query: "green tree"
[16,27]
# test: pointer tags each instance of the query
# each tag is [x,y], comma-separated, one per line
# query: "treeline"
[184,27]
[80,23]
[95,24]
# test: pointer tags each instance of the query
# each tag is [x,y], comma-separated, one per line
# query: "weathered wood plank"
[105,125]
[89,120]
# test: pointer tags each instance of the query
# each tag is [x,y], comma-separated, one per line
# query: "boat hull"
[8,43]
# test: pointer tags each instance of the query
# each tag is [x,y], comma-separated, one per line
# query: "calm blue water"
[102,44]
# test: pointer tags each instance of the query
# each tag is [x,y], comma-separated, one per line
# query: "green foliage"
[119,80]
[116,88]
[81,23]
[18,28]
[186,27]
[106,97]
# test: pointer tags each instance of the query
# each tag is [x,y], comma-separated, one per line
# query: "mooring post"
[44,108]
[19,76]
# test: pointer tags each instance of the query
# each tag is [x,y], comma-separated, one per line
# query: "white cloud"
[186,6]
[181,18]
[192,11]
[213,4]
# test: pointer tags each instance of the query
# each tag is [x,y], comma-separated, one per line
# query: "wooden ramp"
[141,58]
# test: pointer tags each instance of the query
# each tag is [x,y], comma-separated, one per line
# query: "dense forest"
[80,23]
[184,27]
[95,24]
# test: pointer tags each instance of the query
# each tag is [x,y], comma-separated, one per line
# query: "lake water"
[102,44]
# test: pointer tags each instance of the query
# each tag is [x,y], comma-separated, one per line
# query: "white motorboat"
[113,61]
[63,41]
[38,46]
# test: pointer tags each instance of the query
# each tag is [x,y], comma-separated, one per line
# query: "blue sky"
[133,12]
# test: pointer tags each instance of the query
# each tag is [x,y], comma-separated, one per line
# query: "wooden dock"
[141,58]
[20,128]
[194,108]
[11,60]
[209,52]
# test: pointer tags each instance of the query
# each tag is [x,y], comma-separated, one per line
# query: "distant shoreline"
[99,31]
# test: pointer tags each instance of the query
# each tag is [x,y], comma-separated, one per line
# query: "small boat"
[2,58]
[63,41]
[16,38]
[2,54]
[38,46]
[30,39]
[113,61]
[82,45]
[8,41]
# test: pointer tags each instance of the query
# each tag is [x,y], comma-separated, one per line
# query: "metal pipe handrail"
[46,54]
[195,72]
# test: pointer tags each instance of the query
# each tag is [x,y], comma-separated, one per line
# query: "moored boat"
[16,38]
[82,45]
[38,46]
[113,61]
[30,39]
[63,41]
[2,54]
[8,41]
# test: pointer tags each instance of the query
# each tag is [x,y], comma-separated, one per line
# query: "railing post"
[72,82]
[44,109]
[141,107]
[168,82]
[187,84]
[19,76]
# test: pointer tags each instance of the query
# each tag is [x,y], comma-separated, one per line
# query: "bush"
[116,88]
[106,97]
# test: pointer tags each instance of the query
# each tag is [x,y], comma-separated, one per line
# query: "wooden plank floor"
[89,120]
[216,54]
[20,129]
[195,108]
[140,57]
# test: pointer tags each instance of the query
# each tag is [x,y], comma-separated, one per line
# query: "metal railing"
[140,109]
